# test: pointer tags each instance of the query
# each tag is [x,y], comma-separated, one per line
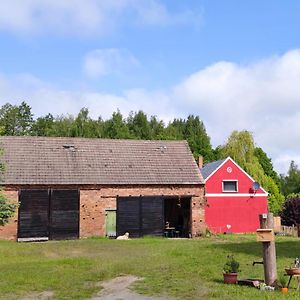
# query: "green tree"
[16,120]
[240,146]
[195,133]
[157,129]
[139,126]
[43,125]
[267,165]
[290,183]
[116,127]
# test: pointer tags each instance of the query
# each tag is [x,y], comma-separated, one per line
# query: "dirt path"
[118,289]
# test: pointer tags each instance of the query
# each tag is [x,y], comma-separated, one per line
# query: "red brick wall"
[94,200]
[9,231]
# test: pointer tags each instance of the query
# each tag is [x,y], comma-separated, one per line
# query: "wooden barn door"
[140,216]
[64,214]
[33,214]
[128,216]
[152,212]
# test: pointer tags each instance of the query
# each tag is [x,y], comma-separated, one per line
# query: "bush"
[290,214]
[6,209]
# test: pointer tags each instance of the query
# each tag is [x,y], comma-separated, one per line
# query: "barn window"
[230,186]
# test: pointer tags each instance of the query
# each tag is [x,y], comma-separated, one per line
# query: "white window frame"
[231,180]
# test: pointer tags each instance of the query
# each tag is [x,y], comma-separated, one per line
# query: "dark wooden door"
[140,216]
[64,214]
[152,212]
[128,216]
[33,214]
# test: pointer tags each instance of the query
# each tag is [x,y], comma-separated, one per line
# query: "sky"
[234,63]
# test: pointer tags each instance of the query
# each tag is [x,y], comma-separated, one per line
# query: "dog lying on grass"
[124,237]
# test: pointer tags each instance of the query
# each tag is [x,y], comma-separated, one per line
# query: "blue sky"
[236,64]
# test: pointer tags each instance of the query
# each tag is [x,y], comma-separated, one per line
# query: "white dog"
[123,237]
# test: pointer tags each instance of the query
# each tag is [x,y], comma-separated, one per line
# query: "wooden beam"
[269,251]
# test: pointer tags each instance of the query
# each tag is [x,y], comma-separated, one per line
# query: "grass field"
[186,269]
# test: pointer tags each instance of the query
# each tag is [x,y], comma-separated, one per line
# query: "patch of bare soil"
[118,289]
[46,295]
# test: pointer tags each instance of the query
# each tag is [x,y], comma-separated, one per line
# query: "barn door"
[33,214]
[140,216]
[128,216]
[152,211]
[64,214]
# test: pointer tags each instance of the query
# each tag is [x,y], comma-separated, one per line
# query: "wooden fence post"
[269,251]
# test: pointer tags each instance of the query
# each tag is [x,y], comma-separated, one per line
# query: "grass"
[186,269]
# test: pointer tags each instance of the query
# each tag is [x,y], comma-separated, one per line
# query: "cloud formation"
[101,62]
[88,17]
[262,97]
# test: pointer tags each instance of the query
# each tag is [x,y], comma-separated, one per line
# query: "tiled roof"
[52,160]
[211,167]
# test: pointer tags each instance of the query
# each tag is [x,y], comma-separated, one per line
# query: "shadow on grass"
[284,249]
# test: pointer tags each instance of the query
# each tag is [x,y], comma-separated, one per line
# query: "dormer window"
[230,186]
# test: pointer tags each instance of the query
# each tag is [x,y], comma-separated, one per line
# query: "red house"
[234,199]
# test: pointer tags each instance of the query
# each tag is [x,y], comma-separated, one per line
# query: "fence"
[290,230]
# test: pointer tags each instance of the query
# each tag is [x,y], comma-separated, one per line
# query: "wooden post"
[269,251]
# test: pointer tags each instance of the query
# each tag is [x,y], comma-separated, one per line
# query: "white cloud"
[86,17]
[262,97]
[103,62]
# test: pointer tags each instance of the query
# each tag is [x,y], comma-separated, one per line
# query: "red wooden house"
[234,199]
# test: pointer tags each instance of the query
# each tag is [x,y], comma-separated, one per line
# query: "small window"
[230,186]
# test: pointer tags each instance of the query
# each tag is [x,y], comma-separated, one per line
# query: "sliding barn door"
[128,216]
[140,216]
[64,214]
[33,214]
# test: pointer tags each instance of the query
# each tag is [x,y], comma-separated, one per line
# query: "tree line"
[19,120]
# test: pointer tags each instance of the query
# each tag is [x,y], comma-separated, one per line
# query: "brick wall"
[94,200]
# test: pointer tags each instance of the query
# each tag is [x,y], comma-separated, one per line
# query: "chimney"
[200,161]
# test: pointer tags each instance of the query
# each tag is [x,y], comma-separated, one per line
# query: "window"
[230,186]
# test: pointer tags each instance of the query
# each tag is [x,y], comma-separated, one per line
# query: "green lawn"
[186,269]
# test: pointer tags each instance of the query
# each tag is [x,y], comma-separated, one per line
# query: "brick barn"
[77,187]
[234,199]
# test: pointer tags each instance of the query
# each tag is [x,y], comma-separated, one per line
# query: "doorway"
[177,217]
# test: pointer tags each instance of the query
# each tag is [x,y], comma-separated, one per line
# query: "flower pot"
[230,278]
[284,290]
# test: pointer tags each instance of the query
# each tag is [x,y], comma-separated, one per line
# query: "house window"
[230,186]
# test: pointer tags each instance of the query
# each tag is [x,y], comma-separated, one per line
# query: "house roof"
[209,168]
[53,160]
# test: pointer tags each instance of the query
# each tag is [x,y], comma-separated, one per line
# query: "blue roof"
[211,167]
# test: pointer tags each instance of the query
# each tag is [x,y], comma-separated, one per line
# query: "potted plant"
[230,270]
[283,284]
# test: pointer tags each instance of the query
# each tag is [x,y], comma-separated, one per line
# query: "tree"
[267,165]
[195,133]
[240,146]
[139,126]
[16,120]
[116,127]
[290,214]
[291,182]
[43,125]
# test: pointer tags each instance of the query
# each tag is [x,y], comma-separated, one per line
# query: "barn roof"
[53,160]
[211,167]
